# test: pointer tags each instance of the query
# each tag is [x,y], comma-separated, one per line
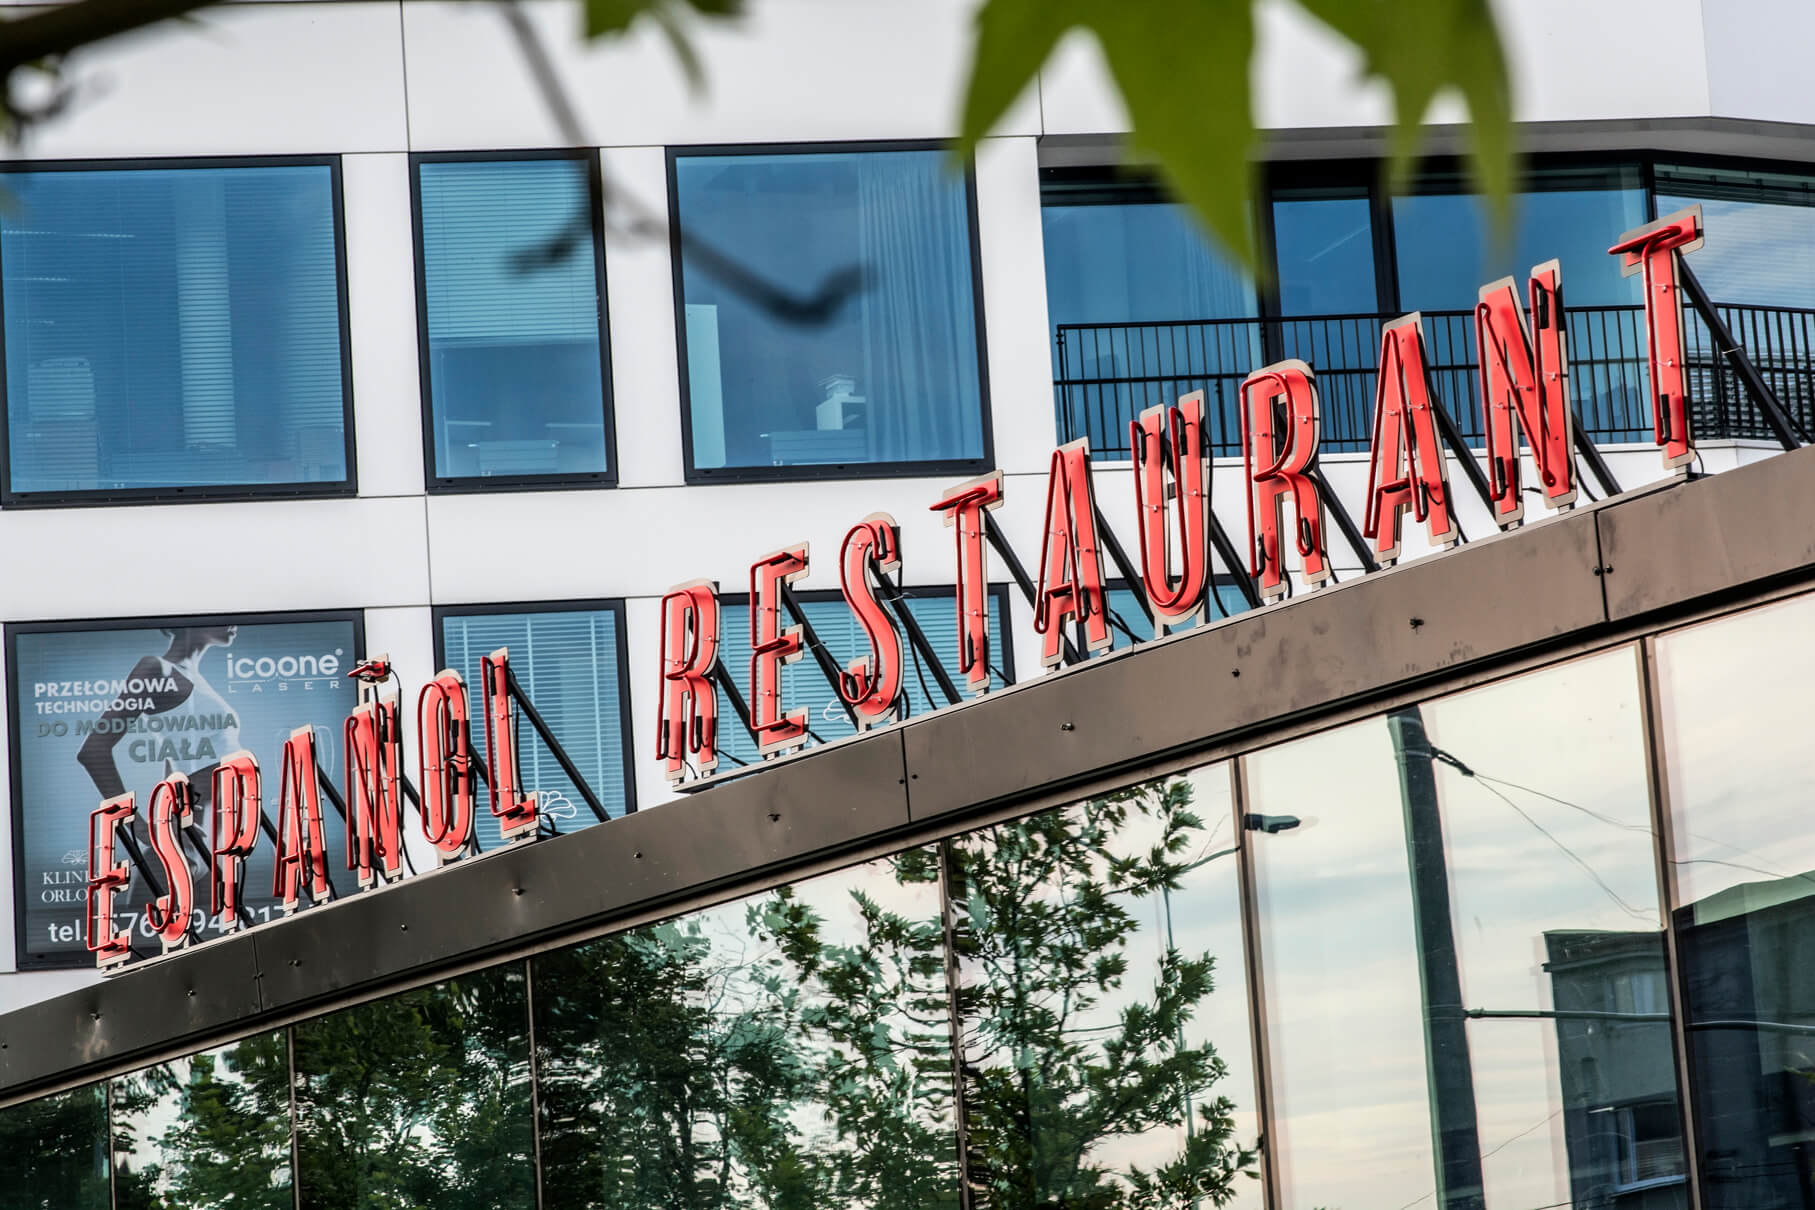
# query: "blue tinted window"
[1448,249]
[1125,609]
[172,328]
[802,683]
[568,663]
[511,296]
[889,374]
[1323,240]
[1760,244]
[1135,261]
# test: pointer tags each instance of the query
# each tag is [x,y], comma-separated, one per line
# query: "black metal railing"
[1109,373]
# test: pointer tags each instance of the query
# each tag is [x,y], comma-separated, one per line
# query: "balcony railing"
[1108,373]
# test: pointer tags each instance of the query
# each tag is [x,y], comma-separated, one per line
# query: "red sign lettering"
[688,723]
[1652,251]
[1406,465]
[374,799]
[1525,385]
[236,817]
[963,507]
[105,876]
[871,682]
[172,809]
[774,645]
[1071,564]
[444,740]
[302,844]
[1171,441]
[1279,416]
[515,809]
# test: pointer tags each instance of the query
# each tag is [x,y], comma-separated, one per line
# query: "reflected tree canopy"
[53,1151]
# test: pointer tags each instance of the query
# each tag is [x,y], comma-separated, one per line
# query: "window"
[53,1151]
[1760,247]
[889,376]
[174,331]
[99,709]
[802,683]
[1125,611]
[512,320]
[1323,243]
[570,661]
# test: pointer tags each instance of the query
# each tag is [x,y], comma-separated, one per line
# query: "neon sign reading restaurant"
[1524,399]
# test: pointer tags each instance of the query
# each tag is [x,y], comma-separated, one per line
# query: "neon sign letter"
[1525,385]
[1071,563]
[688,723]
[516,810]
[444,735]
[963,507]
[236,817]
[774,645]
[374,808]
[171,809]
[1172,440]
[872,682]
[109,946]
[1652,250]
[302,846]
[1405,461]
[1279,447]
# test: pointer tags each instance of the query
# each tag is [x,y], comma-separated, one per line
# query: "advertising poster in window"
[98,712]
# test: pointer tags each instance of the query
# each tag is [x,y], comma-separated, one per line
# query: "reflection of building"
[1621,1119]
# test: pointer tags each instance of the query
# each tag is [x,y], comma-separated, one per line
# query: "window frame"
[435,484]
[23,958]
[827,471]
[349,486]
[612,605]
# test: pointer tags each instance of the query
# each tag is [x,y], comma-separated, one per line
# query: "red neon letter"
[302,845]
[1525,384]
[963,507]
[1652,250]
[236,817]
[172,808]
[104,878]
[516,810]
[873,682]
[774,645]
[1071,565]
[444,747]
[688,723]
[1278,451]
[1405,462]
[374,809]
[1172,440]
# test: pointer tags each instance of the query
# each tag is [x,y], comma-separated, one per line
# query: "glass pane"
[1760,243]
[1736,697]
[1323,241]
[1125,613]
[802,683]
[512,296]
[419,1100]
[891,373]
[209,1132]
[787,1050]
[172,327]
[567,662]
[1107,1054]
[1447,248]
[1111,261]
[53,1151]
[1478,875]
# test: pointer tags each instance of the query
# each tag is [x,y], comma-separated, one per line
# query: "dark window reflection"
[1477,876]
[419,1100]
[1106,1038]
[53,1152]
[209,1132]
[1736,698]
[786,1050]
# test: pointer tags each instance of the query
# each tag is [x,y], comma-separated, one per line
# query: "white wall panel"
[261,79]
[639,291]
[1019,339]
[381,307]
[793,70]
[1758,59]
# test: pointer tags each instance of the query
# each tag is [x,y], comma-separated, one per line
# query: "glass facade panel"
[1103,1002]
[1760,248]
[53,1152]
[1125,612]
[802,683]
[568,662]
[1323,244]
[1478,876]
[172,328]
[787,1050]
[1735,699]
[421,1099]
[891,373]
[512,298]
[209,1132]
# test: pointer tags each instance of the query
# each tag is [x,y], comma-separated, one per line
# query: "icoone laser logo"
[253,674]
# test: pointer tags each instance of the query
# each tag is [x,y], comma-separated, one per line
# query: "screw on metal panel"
[1235,672]
[775,817]
[1068,726]
[403,928]
[639,856]
[517,891]
[192,991]
[1417,622]
[296,962]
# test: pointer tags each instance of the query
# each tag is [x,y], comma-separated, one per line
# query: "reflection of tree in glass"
[1063,1057]
[419,1100]
[210,1132]
[53,1152]
[762,1054]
